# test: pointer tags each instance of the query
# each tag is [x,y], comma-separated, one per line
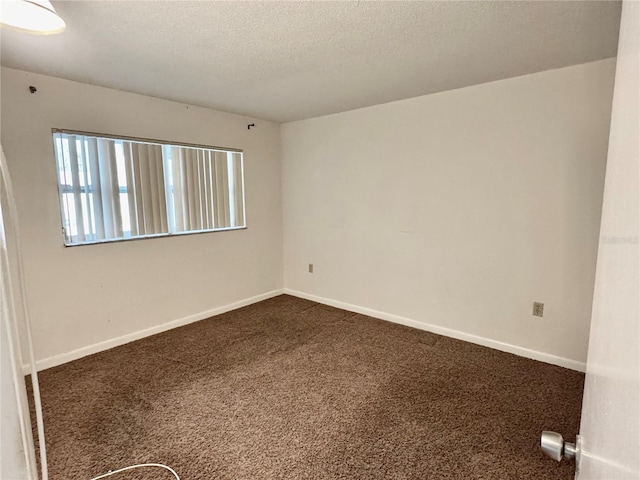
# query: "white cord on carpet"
[13,214]
[138,466]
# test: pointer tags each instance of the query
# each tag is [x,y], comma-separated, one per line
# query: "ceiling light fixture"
[33,16]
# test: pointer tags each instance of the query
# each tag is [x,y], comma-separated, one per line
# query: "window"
[122,188]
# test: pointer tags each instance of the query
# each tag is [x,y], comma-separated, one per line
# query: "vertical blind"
[115,189]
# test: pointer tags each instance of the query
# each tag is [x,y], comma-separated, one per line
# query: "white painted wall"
[457,210]
[610,426]
[82,296]
[452,211]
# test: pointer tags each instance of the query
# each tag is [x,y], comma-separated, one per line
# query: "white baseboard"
[130,337]
[447,332]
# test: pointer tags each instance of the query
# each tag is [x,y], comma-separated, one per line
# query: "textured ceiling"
[286,61]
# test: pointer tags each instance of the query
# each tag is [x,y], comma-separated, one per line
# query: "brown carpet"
[290,389]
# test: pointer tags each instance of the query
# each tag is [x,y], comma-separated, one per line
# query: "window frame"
[61,188]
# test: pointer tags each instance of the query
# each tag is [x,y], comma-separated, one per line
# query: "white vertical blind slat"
[230,179]
[177,169]
[168,188]
[137,187]
[96,188]
[202,189]
[116,218]
[160,206]
[238,189]
[76,189]
[88,214]
[221,190]
[146,222]
[131,187]
[190,187]
[149,190]
[154,190]
[186,189]
[105,189]
[109,189]
[208,195]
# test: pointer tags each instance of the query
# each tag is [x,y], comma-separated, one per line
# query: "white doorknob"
[554,446]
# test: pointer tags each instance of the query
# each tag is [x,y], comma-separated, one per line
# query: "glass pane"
[126,218]
[71,223]
[122,175]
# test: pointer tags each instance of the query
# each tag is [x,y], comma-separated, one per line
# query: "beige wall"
[85,295]
[458,210]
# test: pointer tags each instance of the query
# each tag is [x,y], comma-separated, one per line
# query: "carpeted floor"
[290,389]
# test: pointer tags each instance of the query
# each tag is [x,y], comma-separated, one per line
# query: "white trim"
[447,332]
[130,337]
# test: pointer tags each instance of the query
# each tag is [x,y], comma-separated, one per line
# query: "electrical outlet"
[311,268]
[538,309]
